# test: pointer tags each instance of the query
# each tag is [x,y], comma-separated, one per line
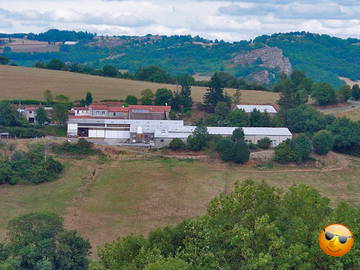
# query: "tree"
[264,143]
[238,135]
[287,94]
[323,142]
[41,116]
[215,93]
[147,97]
[355,92]
[40,241]
[266,228]
[185,82]
[48,96]
[284,152]
[199,139]
[169,264]
[88,99]
[60,113]
[163,96]
[222,109]
[237,118]
[110,71]
[9,116]
[177,144]
[241,152]
[131,100]
[302,148]
[153,74]
[344,93]
[323,93]
[56,64]
[62,99]
[226,149]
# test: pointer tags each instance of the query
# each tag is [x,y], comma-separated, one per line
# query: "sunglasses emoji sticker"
[336,240]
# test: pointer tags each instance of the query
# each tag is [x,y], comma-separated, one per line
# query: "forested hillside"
[322,57]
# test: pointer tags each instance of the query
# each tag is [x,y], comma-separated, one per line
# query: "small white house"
[261,108]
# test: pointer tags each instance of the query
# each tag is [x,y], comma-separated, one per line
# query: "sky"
[213,19]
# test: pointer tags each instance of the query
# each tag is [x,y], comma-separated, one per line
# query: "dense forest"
[321,57]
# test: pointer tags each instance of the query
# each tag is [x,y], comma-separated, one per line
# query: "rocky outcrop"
[271,59]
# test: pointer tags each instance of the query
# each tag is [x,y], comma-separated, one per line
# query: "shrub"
[131,100]
[284,153]
[177,144]
[241,152]
[82,147]
[226,149]
[30,167]
[264,143]
[323,142]
[302,147]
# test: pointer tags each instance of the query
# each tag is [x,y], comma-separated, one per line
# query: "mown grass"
[34,82]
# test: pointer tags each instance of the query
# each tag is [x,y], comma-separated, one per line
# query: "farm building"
[261,108]
[149,112]
[159,132]
[252,134]
[29,112]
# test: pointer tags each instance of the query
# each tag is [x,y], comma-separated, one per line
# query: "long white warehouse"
[161,132]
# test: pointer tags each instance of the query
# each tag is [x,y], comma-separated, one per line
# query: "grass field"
[353,114]
[109,200]
[30,83]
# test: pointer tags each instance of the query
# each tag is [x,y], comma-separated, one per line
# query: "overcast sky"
[228,20]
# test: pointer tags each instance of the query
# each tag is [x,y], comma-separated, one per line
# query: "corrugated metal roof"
[185,131]
[261,108]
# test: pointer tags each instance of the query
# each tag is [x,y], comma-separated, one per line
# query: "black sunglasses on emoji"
[342,239]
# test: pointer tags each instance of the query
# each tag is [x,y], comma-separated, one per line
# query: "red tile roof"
[81,108]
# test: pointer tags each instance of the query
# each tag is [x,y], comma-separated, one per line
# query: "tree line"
[256,226]
[150,73]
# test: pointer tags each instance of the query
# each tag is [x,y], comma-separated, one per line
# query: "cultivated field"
[133,193]
[30,83]
[28,46]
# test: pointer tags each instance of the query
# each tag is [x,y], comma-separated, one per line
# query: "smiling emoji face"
[336,240]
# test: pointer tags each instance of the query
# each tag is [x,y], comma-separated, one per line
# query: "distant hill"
[322,57]
[30,83]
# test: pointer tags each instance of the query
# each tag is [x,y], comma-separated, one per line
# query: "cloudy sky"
[221,19]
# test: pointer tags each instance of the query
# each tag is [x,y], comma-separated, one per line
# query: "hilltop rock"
[267,57]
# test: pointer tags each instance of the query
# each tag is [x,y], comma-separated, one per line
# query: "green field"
[104,201]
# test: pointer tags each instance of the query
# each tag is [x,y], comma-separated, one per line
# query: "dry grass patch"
[353,114]
[30,83]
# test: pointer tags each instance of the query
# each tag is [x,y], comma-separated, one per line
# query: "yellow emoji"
[336,240]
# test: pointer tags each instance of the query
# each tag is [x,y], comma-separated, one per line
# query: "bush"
[302,147]
[323,142]
[82,147]
[226,149]
[241,152]
[30,167]
[284,152]
[264,143]
[177,144]
[131,100]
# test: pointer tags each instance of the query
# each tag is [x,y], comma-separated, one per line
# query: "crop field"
[30,83]
[129,194]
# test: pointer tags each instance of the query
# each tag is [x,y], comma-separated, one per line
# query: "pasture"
[135,194]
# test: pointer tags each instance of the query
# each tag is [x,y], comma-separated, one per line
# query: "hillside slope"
[322,57]
[30,83]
